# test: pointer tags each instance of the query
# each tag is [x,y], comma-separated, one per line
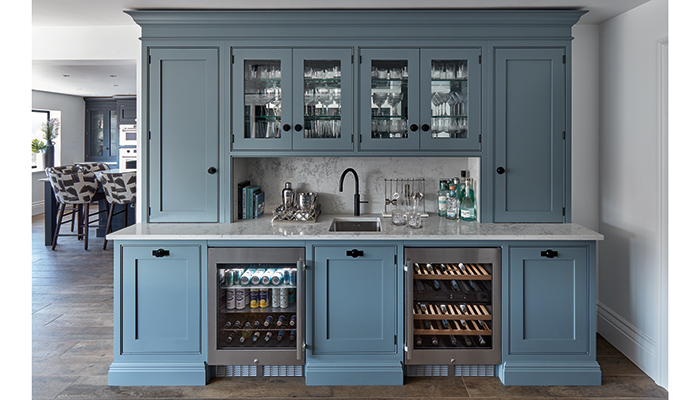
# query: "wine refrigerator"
[256,311]
[452,311]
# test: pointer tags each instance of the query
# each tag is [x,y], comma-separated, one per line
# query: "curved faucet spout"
[356,198]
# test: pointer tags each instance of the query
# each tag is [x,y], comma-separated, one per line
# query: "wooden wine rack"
[471,272]
[455,328]
[434,315]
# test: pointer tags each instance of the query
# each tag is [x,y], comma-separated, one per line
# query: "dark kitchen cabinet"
[127,111]
[530,167]
[101,130]
[183,135]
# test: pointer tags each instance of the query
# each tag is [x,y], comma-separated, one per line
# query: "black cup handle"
[500,170]
[549,253]
[211,170]
[286,127]
[414,127]
[425,127]
[298,127]
[354,253]
[161,253]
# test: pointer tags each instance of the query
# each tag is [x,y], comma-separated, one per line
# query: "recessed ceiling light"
[112,76]
[115,85]
[66,76]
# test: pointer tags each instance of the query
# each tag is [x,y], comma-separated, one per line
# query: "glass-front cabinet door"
[323,99]
[262,99]
[286,99]
[389,99]
[450,99]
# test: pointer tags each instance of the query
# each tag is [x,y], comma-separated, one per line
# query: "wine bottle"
[453,340]
[229,339]
[247,325]
[462,268]
[443,308]
[268,336]
[429,267]
[292,335]
[468,341]
[256,336]
[443,268]
[426,324]
[434,340]
[280,336]
[481,340]
[455,286]
[268,321]
[228,325]
[237,323]
[436,284]
[442,198]
[419,341]
[281,320]
[293,320]
[416,268]
[244,335]
[445,324]
[423,307]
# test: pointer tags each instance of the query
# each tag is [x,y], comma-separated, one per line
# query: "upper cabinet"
[420,99]
[101,130]
[292,99]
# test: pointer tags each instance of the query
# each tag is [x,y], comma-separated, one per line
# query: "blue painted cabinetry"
[530,125]
[549,315]
[159,315]
[353,319]
[183,134]
[420,99]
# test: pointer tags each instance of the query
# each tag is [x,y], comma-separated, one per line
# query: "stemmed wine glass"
[393,100]
[379,98]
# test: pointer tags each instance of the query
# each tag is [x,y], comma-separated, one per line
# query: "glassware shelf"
[292,309]
[389,117]
[449,80]
[322,117]
[448,116]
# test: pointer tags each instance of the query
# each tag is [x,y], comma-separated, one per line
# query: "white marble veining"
[434,228]
[322,175]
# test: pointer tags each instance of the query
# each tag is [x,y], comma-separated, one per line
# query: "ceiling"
[109,77]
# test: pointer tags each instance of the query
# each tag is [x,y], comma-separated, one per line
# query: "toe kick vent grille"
[444,370]
[283,370]
[474,370]
[236,370]
[428,370]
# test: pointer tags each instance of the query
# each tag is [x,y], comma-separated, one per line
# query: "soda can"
[247,296]
[293,276]
[228,278]
[245,278]
[262,302]
[275,298]
[287,279]
[284,298]
[254,298]
[292,296]
[240,299]
[230,299]
[277,277]
[267,276]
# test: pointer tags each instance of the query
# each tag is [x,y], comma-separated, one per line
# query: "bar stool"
[119,188]
[72,187]
[96,167]
[72,209]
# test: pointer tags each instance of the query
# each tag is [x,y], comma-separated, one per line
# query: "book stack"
[251,201]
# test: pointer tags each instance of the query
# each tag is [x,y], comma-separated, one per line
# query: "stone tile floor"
[72,349]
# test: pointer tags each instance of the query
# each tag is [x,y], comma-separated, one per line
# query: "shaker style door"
[530,110]
[261,99]
[323,99]
[183,123]
[389,99]
[450,99]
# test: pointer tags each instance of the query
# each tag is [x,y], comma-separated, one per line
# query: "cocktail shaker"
[288,196]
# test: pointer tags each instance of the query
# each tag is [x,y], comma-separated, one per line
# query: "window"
[40,117]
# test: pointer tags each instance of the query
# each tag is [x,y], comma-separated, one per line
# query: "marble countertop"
[434,228]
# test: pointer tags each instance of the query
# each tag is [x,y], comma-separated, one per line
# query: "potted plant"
[50,130]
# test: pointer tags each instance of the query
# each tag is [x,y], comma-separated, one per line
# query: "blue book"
[250,193]
[259,205]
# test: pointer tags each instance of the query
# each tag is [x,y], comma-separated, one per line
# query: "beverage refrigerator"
[452,311]
[256,311]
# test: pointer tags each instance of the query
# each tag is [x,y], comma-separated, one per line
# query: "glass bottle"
[452,211]
[467,211]
[442,198]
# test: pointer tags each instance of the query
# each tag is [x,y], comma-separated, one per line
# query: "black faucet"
[356,203]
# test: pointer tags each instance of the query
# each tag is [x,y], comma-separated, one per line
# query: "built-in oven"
[127,135]
[127,158]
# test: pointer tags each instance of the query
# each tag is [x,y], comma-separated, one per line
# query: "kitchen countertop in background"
[434,228]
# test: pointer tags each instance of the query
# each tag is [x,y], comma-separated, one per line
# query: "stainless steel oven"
[452,311]
[128,135]
[127,158]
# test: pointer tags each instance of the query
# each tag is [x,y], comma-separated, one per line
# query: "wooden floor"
[72,348]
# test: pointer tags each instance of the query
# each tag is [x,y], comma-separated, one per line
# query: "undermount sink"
[356,225]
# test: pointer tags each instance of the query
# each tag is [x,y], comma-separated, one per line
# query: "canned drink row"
[259,276]
[239,299]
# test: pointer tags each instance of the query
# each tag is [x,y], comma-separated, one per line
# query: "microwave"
[128,135]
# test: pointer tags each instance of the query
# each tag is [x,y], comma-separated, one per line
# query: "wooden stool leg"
[58,226]
[109,225]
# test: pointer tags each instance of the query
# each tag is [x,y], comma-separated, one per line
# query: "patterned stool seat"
[119,188]
[72,186]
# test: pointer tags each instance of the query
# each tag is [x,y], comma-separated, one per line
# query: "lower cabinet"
[159,310]
[549,309]
[353,323]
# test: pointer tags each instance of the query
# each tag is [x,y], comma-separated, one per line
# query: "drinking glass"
[393,100]
[398,216]
[379,98]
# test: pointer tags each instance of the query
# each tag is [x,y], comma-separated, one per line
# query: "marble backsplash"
[322,175]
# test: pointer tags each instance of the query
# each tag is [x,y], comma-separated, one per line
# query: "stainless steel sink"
[356,225]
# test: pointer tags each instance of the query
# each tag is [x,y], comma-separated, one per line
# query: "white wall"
[72,110]
[631,309]
[86,42]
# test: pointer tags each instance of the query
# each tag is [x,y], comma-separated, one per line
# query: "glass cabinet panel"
[261,99]
[96,133]
[323,99]
[389,99]
[450,98]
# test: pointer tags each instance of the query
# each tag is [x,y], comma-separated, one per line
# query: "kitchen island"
[164,286]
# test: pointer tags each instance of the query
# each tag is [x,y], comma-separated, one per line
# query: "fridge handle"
[301,309]
[408,310]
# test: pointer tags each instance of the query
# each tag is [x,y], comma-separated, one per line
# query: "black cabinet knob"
[549,253]
[425,127]
[500,170]
[354,253]
[161,253]
[298,127]
[211,170]
[414,127]
[286,127]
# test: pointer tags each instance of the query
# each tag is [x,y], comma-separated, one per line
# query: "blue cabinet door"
[550,301]
[389,99]
[529,122]
[161,300]
[261,100]
[323,99]
[354,301]
[450,99]
[183,124]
